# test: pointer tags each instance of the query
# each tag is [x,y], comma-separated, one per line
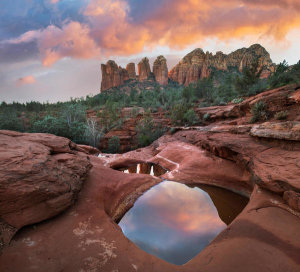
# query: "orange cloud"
[180,23]
[26,80]
[112,27]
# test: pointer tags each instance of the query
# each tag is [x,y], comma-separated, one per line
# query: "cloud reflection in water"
[173,221]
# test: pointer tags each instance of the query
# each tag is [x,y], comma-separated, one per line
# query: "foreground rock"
[40,176]
[264,237]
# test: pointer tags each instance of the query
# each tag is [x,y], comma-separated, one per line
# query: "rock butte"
[259,161]
[194,66]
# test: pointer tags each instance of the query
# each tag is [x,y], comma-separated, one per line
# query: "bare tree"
[93,131]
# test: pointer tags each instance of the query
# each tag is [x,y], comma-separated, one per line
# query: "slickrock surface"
[40,176]
[264,237]
[259,161]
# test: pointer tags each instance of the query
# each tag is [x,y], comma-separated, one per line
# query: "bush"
[281,115]
[190,117]
[113,145]
[237,100]
[147,132]
[9,120]
[259,112]
[206,117]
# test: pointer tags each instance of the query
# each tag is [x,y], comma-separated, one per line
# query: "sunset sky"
[52,49]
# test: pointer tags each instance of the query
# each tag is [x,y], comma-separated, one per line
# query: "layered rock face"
[144,69]
[40,176]
[131,70]
[196,64]
[112,75]
[160,70]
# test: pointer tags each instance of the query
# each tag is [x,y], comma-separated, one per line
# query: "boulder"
[40,176]
[289,130]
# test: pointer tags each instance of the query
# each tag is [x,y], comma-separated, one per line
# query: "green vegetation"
[70,119]
[147,131]
[259,112]
[281,115]
[113,145]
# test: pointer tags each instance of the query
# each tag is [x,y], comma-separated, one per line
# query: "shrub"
[9,120]
[147,131]
[237,100]
[281,115]
[190,117]
[113,145]
[206,116]
[259,112]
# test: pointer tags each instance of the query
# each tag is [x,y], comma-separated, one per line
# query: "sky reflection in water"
[175,222]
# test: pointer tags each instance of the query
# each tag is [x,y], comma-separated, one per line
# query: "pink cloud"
[175,24]
[26,80]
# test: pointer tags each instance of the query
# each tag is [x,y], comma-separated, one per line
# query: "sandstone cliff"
[196,64]
[160,70]
[131,70]
[112,75]
[144,69]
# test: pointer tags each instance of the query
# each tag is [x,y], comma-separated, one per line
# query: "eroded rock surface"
[40,176]
[144,70]
[160,70]
[195,65]
[112,75]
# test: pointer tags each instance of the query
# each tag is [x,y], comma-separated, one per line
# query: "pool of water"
[144,168]
[175,222]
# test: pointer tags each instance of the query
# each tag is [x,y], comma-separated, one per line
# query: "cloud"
[126,27]
[26,80]
[72,40]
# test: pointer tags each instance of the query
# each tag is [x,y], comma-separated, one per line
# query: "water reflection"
[175,222]
[144,168]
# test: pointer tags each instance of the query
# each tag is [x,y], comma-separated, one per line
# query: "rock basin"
[175,222]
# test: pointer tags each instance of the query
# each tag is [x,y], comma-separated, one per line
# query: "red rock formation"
[131,70]
[160,70]
[195,65]
[264,236]
[112,75]
[40,177]
[144,69]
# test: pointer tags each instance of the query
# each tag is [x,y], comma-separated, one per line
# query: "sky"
[51,50]
[172,221]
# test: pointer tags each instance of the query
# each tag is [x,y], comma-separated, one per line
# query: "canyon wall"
[194,66]
[197,64]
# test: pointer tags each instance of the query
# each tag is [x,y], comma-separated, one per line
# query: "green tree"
[113,145]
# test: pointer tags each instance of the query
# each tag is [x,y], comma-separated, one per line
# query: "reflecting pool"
[144,168]
[175,222]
